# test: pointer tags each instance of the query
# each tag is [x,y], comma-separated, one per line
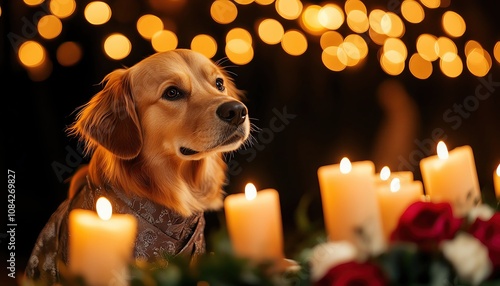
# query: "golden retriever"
[157,133]
[158,130]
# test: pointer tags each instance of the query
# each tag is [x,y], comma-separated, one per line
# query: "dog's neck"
[181,185]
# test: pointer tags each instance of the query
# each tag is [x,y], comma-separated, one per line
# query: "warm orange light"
[148,25]
[223,11]
[345,166]
[97,12]
[104,208]
[442,150]
[250,192]
[498,170]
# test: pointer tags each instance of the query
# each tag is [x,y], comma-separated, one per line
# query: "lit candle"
[254,224]
[393,200]
[452,177]
[350,201]
[496,181]
[101,245]
[385,176]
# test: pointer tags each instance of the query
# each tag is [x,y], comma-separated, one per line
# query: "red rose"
[353,273]
[427,224]
[488,232]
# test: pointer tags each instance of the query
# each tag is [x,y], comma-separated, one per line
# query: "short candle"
[101,244]
[254,224]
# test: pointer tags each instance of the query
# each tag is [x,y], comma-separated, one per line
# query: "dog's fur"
[136,135]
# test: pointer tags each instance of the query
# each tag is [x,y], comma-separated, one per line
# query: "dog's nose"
[233,112]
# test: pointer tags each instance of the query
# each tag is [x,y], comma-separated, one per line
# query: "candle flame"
[498,170]
[345,165]
[250,191]
[442,151]
[395,185]
[104,209]
[385,173]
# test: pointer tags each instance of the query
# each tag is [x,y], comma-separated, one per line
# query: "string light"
[381,26]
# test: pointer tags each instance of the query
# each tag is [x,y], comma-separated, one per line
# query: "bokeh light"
[453,24]
[239,48]
[31,54]
[330,39]
[331,60]
[294,42]
[357,21]
[62,8]
[264,2]
[394,50]
[49,26]
[331,16]
[359,43]
[412,11]
[390,66]
[426,47]
[148,25]
[309,20]
[420,67]
[451,66]
[432,4]
[69,54]
[164,40]
[223,11]
[97,13]
[33,2]
[496,51]
[270,31]
[204,44]
[117,46]
[289,9]
[392,25]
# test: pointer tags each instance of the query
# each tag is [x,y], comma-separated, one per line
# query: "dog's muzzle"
[233,113]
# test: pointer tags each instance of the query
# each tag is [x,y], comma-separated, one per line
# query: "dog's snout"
[232,112]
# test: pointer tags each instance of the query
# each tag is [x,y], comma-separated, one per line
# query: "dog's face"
[176,103]
[187,106]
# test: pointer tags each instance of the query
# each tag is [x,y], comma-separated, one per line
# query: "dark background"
[337,114]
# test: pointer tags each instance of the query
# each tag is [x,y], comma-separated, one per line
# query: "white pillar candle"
[101,245]
[254,224]
[452,177]
[350,202]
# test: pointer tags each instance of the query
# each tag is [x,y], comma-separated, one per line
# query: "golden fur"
[135,135]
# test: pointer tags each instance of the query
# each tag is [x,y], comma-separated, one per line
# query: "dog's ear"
[110,120]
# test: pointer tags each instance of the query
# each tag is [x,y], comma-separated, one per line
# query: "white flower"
[482,211]
[469,257]
[328,255]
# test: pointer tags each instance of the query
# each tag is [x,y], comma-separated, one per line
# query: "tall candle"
[350,202]
[393,200]
[254,224]
[452,177]
[101,245]
[496,181]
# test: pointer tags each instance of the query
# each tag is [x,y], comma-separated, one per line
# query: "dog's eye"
[172,93]
[219,83]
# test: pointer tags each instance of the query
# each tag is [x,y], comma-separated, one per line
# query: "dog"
[157,133]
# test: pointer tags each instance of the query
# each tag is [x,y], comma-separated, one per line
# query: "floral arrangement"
[428,247]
